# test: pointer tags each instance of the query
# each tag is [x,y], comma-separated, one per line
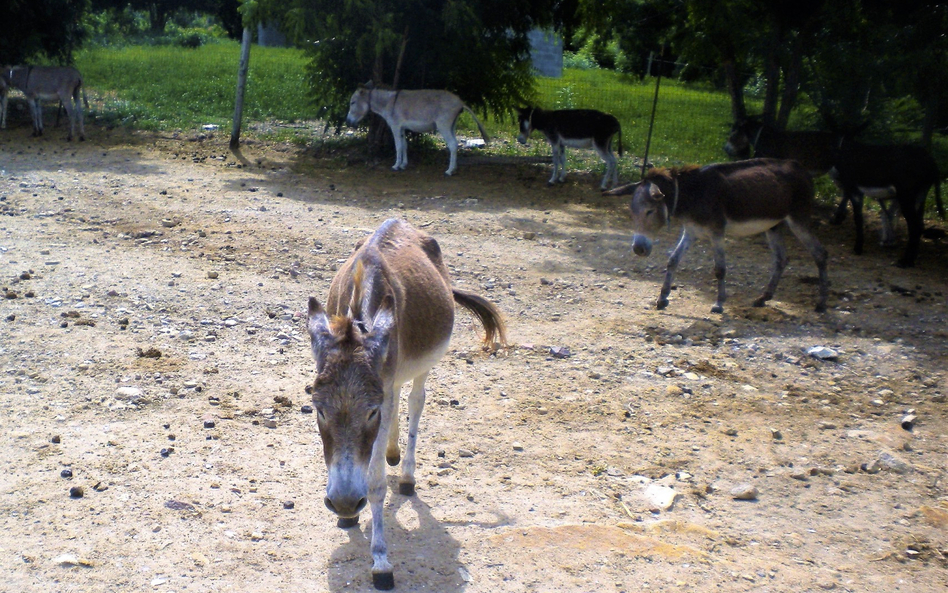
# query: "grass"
[174,88]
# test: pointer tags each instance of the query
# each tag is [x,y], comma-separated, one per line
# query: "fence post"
[651,123]
[241,84]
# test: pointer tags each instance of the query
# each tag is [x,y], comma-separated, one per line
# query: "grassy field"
[174,88]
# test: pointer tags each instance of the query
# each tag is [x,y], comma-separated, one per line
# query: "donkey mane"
[668,173]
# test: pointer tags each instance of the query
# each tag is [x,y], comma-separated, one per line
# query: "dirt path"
[539,469]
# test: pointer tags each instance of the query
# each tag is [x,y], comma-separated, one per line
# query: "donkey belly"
[409,368]
[576,142]
[746,228]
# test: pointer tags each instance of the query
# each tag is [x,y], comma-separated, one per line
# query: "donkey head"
[648,211]
[525,123]
[360,103]
[348,396]
[741,139]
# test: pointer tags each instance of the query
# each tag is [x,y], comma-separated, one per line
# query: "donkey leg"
[392,454]
[416,403]
[888,211]
[683,243]
[382,576]
[562,178]
[37,127]
[780,259]
[451,140]
[840,214]
[816,249]
[856,199]
[556,163]
[78,110]
[720,270]
[400,150]
[71,114]
[605,153]
[915,219]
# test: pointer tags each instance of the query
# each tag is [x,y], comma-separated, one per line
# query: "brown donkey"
[387,321]
[737,199]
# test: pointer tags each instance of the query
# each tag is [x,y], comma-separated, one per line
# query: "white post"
[241,84]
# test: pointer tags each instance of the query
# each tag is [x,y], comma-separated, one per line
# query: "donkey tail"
[479,126]
[486,312]
[620,141]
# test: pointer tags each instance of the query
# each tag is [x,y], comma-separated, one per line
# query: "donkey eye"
[373,414]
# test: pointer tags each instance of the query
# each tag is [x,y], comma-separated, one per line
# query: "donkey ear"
[319,333]
[622,190]
[654,192]
[370,85]
[377,341]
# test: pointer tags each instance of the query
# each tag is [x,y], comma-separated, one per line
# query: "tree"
[35,28]
[475,48]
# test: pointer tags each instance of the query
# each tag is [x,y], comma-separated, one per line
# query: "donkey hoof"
[662,303]
[383,581]
[758,303]
[718,309]
[393,460]
[347,522]
[820,308]
[406,488]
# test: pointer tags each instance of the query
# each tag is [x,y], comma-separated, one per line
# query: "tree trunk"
[791,85]
[738,109]
[241,85]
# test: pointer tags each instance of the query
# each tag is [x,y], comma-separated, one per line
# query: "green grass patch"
[166,87]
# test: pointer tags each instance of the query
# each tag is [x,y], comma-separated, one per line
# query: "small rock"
[660,497]
[826,425]
[212,275]
[166,452]
[529,235]
[560,352]
[800,475]
[744,492]
[873,467]
[908,421]
[823,353]
[776,434]
[66,473]
[76,492]
[288,504]
[731,432]
[307,409]
[209,424]
[270,422]
[894,463]
[517,446]
[465,453]
[128,393]
[56,439]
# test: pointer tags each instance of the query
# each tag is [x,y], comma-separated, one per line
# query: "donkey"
[575,128]
[418,111]
[388,319]
[51,82]
[900,171]
[752,137]
[737,199]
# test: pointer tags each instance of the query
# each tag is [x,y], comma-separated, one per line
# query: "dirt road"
[152,344]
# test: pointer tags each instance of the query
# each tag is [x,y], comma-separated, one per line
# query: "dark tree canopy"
[33,28]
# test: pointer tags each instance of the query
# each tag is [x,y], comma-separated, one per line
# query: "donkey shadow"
[424,557]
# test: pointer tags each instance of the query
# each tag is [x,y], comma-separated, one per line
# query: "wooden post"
[241,84]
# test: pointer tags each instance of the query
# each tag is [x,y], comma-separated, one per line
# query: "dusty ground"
[108,251]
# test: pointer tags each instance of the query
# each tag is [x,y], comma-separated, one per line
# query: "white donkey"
[418,111]
[387,321]
[50,82]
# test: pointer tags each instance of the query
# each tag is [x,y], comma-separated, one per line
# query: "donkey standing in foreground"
[388,320]
[50,82]
[737,199]
[575,128]
[418,111]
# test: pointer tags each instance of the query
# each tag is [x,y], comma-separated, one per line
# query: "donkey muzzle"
[521,139]
[641,245]
[346,490]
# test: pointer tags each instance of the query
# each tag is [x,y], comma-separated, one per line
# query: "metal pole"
[651,123]
[241,85]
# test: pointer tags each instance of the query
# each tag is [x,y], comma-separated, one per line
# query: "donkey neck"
[382,101]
